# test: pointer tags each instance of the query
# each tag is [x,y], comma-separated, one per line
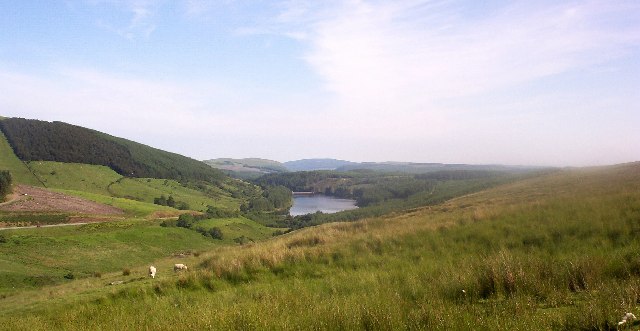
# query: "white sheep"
[628,317]
[152,272]
[179,266]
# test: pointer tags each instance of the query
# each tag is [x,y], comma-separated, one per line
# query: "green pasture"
[32,258]
[147,189]
[554,252]
[75,176]
[236,227]
[9,161]
[134,195]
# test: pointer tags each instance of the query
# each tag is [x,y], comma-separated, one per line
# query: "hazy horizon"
[514,83]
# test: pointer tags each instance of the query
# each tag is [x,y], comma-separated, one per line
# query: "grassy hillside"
[235,228]
[146,189]
[558,251]
[9,161]
[100,180]
[34,140]
[75,176]
[31,258]
[130,207]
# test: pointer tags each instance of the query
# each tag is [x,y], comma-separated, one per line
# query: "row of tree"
[170,202]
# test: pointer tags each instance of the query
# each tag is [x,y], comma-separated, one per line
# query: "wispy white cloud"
[140,22]
[395,50]
[190,118]
[393,66]
[418,80]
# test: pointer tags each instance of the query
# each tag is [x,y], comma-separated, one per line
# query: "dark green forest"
[34,140]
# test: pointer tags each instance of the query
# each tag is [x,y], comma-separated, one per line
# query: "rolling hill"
[554,251]
[34,140]
[403,167]
[79,163]
[316,164]
[249,168]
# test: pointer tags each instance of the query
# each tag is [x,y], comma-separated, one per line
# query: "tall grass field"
[560,251]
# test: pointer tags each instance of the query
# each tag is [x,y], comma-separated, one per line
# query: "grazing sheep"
[179,266]
[152,272]
[628,317]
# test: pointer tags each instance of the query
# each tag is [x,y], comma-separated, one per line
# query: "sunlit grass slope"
[75,176]
[233,228]
[89,181]
[560,251]
[9,161]
[31,258]
[147,189]
[130,207]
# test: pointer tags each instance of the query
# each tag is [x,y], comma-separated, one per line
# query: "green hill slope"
[75,176]
[9,161]
[558,251]
[78,179]
[34,140]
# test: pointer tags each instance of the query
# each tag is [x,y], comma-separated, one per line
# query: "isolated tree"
[171,202]
[5,184]
[215,233]
[162,201]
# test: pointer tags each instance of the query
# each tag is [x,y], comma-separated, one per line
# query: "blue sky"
[509,82]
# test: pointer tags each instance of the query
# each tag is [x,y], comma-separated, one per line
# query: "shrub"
[215,233]
[185,221]
[243,240]
[69,275]
[126,272]
[168,223]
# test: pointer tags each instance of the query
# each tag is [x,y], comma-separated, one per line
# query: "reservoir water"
[306,204]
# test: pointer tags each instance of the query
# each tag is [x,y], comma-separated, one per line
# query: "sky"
[552,83]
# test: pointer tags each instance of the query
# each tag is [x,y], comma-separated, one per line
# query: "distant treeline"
[369,187]
[34,140]
[387,200]
[5,184]
[273,198]
[299,181]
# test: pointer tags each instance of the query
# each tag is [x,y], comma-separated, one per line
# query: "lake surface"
[305,204]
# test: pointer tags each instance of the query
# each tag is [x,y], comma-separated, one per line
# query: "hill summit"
[35,140]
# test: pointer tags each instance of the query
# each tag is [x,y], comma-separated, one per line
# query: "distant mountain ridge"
[35,140]
[251,168]
[247,168]
[421,168]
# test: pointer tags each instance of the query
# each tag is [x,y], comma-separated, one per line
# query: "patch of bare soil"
[35,199]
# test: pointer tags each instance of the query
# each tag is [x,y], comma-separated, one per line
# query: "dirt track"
[34,199]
